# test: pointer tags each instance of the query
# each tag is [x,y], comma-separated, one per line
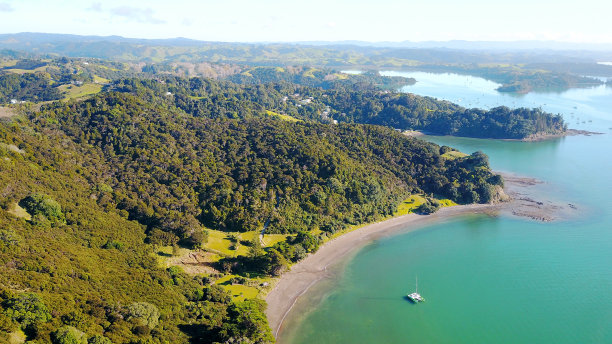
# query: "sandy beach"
[313,268]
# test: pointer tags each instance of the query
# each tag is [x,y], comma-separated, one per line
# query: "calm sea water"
[488,279]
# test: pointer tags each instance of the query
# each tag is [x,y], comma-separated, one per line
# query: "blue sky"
[328,20]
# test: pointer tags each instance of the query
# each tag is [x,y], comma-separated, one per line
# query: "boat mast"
[417,283]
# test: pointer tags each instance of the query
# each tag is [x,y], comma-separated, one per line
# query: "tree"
[27,309]
[143,314]
[41,204]
[98,339]
[247,319]
[275,263]
[255,249]
[430,206]
[308,241]
[69,335]
[198,238]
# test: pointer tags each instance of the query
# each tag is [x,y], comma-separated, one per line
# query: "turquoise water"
[488,279]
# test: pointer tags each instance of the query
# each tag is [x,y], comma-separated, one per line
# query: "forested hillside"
[408,111]
[92,190]
[346,104]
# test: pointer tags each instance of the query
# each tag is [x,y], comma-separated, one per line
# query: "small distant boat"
[416,297]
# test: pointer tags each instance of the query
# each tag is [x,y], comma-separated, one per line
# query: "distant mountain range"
[29,39]
[476,45]
[318,53]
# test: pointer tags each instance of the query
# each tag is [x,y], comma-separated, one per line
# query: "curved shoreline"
[313,268]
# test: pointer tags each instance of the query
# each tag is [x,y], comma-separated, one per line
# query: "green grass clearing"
[310,73]
[76,92]
[192,262]
[409,205]
[453,155]
[220,242]
[15,210]
[447,202]
[100,80]
[341,76]
[8,63]
[16,337]
[271,239]
[282,117]
[24,71]
[241,292]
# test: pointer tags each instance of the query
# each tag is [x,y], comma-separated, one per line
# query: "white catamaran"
[416,297]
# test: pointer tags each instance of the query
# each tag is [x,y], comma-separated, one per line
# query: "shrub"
[429,207]
[159,237]
[113,244]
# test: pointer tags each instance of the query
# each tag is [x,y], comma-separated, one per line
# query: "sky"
[584,21]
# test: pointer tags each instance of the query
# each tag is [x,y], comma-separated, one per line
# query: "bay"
[488,279]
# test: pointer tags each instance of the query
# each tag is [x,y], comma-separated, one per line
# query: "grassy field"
[409,205]
[341,76]
[76,92]
[6,112]
[271,239]
[99,80]
[242,292]
[23,71]
[7,63]
[447,203]
[18,211]
[281,116]
[310,73]
[453,155]
[223,243]
[239,291]
[16,337]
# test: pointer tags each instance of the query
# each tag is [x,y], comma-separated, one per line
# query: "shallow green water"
[488,279]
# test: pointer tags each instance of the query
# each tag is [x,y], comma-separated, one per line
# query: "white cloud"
[6,7]
[141,15]
[96,7]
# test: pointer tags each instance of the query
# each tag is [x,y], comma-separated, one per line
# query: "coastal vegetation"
[141,206]
[100,196]
[365,104]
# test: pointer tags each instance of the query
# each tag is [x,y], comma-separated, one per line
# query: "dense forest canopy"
[237,174]
[366,105]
